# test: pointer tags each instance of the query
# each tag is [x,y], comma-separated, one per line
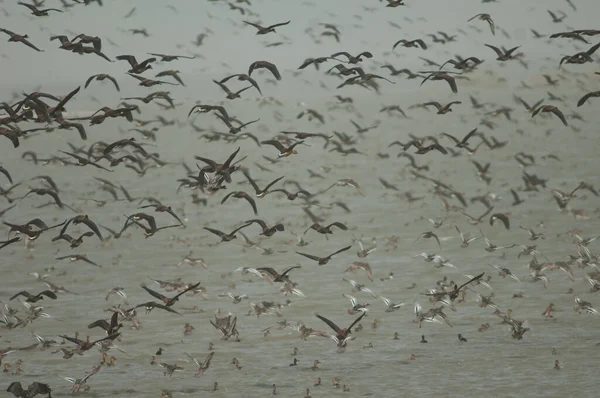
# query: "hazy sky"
[231,46]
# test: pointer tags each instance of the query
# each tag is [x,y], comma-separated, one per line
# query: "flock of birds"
[212,185]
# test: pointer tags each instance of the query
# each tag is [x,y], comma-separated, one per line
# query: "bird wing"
[28,44]
[452,82]
[280,24]
[223,86]
[355,322]
[276,144]
[191,287]
[469,135]
[237,229]
[315,258]
[340,251]
[87,82]
[251,181]
[338,224]
[273,183]
[560,115]
[496,49]
[287,271]
[502,218]
[585,97]
[257,26]
[91,225]
[112,79]
[164,307]
[152,292]
[454,139]
[329,323]
[100,323]
[471,280]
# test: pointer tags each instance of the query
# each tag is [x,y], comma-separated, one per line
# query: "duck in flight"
[283,150]
[341,336]
[324,260]
[263,30]
[16,38]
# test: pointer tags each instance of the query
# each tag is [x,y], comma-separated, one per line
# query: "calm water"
[490,363]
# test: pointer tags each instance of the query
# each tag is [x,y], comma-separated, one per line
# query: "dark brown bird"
[266,230]
[552,109]
[152,228]
[6,173]
[324,260]
[109,328]
[230,94]
[26,229]
[209,108]
[283,150]
[326,229]
[35,298]
[442,109]
[84,345]
[421,150]
[12,135]
[74,242]
[236,129]
[487,18]
[37,12]
[93,40]
[294,195]
[428,235]
[169,58]
[261,192]
[5,243]
[16,389]
[351,59]
[266,65]
[315,61]
[137,68]
[242,195]
[464,142]
[149,82]
[528,107]
[100,77]
[123,143]
[555,18]
[44,191]
[593,94]
[411,43]
[453,294]
[78,257]
[463,63]
[81,161]
[83,219]
[225,237]
[437,75]
[341,335]
[261,30]
[169,301]
[277,277]
[19,39]
[160,208]
[173,73]
[501,217]
[243,78]
[503,55]
[150,305]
